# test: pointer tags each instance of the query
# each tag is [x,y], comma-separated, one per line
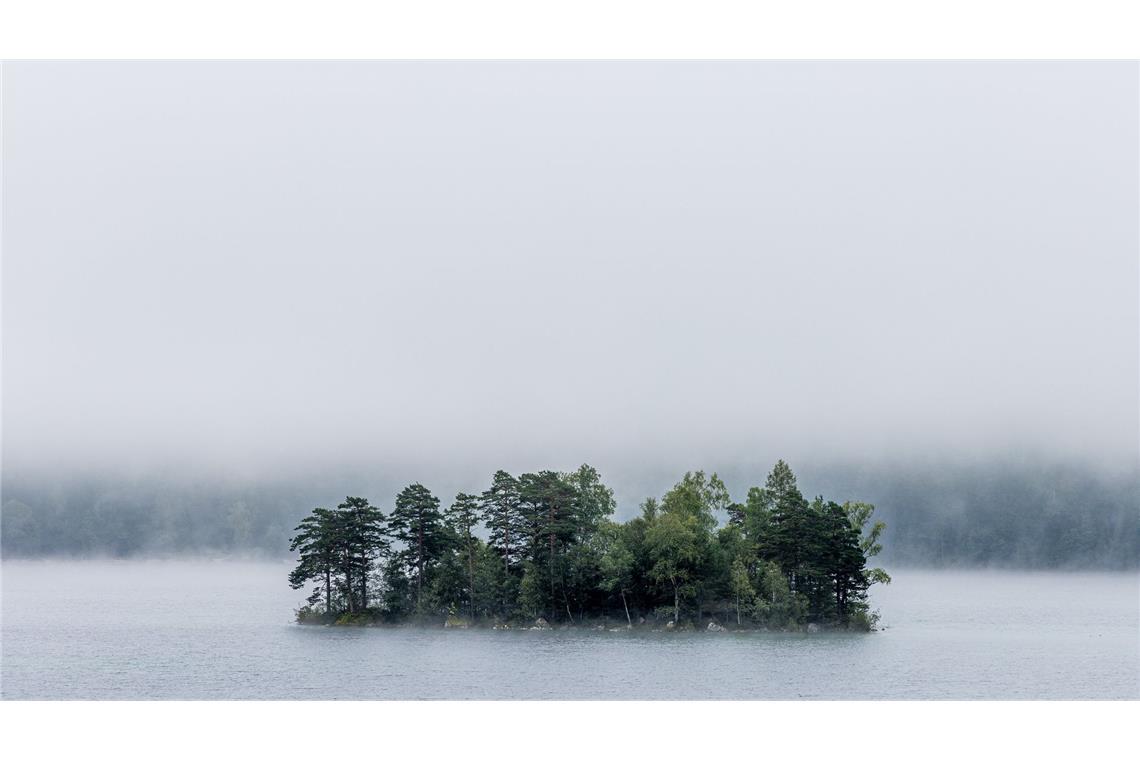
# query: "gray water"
[222,630]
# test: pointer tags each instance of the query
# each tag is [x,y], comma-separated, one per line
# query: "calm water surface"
[222,630]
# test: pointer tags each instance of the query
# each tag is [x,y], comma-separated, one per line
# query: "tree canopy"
[543,544]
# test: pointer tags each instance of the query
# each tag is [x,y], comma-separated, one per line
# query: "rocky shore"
[373,619]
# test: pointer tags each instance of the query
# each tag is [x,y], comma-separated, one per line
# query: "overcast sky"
[535,264]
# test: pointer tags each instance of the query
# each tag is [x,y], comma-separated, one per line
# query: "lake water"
[223,630]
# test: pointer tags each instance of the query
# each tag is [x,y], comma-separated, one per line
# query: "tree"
[418,524]
[844,559]
[493,587]
[502,518]
[741,586]
[548,504]
[461,518]
[674,547]
[859,513]
[315,542]
[531,595]
[616,562]
[448,586]
[699,498]
[593,500]
[781,488]
[757,514]
[788,534]
[364,539]
[776,603]
[342,542]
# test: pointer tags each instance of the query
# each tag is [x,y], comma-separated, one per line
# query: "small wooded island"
[552,555]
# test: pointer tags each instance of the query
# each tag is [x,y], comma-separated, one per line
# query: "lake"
[223,630]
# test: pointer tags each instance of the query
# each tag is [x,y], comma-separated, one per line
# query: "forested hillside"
[995,514]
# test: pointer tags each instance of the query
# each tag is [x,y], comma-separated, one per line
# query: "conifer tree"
[593,500]
[506,535]
[318,554]
[461,518]
[548,502]
[361,528]
[417,523]
[844,560]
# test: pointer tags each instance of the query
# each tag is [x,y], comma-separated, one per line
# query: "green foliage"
[859,514]
[337,547]
[697,497]
[552,551]
[417,523]
[593,500]
[741,585]
[675,548]
[504,520]
[532,595]
[461,520]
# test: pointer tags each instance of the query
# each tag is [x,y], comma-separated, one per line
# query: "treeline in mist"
[993,513]
[553,553]
[1030,515]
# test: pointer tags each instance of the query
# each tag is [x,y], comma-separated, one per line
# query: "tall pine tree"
[417,523]
[461,519]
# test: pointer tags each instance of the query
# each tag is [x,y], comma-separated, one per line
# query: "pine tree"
[548,503]
[593,500]
[461,518]
[845,560]
[505,527]
[362,533]
[417,523]
[318,554]
[786,537]
[338,546]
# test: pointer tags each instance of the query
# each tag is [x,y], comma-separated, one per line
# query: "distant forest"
[997,514]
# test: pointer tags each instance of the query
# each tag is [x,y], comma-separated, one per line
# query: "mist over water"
[222,630]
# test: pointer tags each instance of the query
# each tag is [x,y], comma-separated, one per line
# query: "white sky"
[535,264]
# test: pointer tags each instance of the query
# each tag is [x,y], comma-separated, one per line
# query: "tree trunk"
[363,582]
[348,590]
[419,565]
[328,590]
[676,604]
[626,606]
[550,541]
[470,579]
[506,557]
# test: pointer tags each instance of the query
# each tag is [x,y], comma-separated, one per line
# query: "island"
[541,551]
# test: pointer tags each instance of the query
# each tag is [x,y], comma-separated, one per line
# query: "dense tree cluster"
[543,545]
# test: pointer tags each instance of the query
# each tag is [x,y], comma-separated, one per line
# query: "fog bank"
[255,269]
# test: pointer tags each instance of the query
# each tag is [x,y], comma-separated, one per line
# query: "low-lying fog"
[234,291]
